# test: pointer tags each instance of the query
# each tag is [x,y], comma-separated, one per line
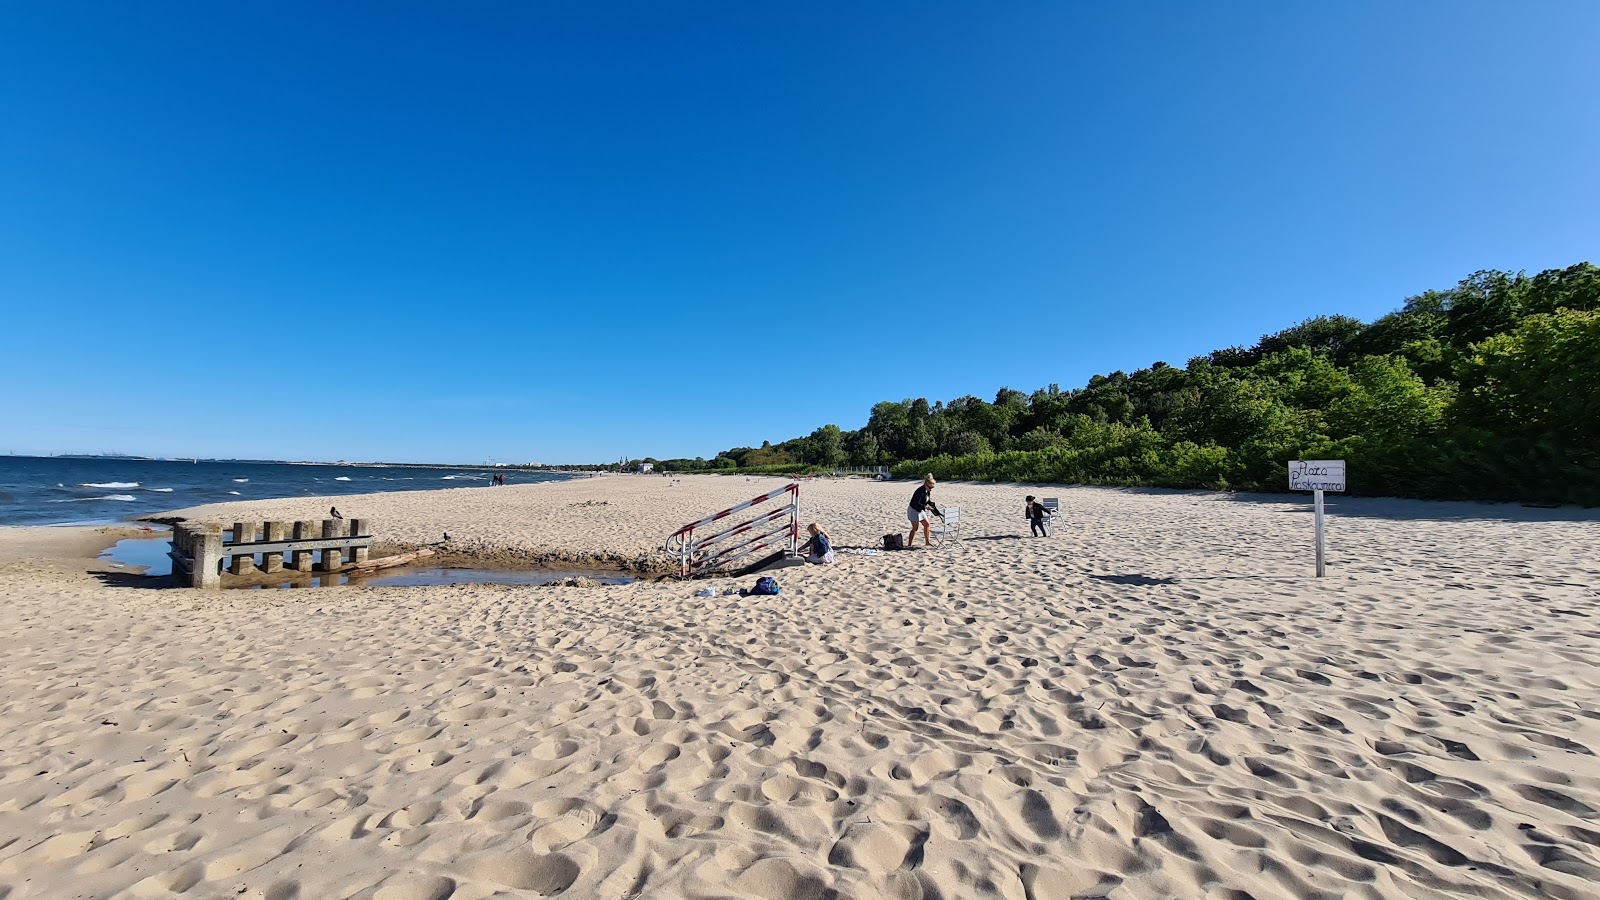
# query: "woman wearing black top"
[922,506]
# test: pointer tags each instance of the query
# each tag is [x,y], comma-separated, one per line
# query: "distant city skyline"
[571,233]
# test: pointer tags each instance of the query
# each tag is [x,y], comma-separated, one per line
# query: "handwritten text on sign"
[1316,475]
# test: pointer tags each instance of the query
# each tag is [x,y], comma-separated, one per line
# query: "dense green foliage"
[1490,390]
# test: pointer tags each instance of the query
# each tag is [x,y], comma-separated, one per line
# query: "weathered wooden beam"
[389,562]
[291,546]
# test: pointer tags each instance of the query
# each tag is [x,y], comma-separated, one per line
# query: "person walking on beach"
[819,549]
[922,506]
[1035,513]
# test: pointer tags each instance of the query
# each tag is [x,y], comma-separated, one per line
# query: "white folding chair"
[1052,510]
[947,528]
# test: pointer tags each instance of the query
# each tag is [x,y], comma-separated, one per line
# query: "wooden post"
[303,559]
[205,545]
[360,528]
[1317,494]
[243,533]
[332,558]
[272,562]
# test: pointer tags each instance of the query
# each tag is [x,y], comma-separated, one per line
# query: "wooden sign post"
[1316,476]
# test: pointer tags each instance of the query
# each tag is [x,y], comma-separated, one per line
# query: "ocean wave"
[125,498]
[110,484]
[342,478]
[241,480]
[235,493]
[160,490]
[468,477]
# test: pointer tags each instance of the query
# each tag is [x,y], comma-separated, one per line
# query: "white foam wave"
[125,498]
[235,493]
[241,480]
[110,484]
[342,478]
[161,490]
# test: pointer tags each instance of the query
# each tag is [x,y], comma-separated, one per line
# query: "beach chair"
[948,527]
[1052,510]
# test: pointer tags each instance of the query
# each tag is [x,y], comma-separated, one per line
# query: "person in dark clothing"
[921,509]
[819,549]
[1036,513]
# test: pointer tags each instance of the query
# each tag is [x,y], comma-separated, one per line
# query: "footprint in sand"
[174,881]
[569,821]
[497,810]
[880,849]
[421,762]
[656,755]
[546,874]
[554,749]
[412,816]
[416,887]
[1555,800]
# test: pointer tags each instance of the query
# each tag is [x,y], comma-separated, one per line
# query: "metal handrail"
[691,551]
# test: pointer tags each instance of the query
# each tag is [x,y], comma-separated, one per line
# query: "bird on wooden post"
[334,511]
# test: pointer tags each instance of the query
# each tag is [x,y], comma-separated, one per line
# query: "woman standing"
[920,510]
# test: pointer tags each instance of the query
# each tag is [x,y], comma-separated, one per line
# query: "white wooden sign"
[1316,475]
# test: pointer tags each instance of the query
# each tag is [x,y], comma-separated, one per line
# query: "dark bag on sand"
[894,542]
[766,586]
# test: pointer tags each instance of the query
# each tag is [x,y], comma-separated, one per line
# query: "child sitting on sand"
[819,549]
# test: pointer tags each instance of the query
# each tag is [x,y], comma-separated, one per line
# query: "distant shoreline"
[61,490]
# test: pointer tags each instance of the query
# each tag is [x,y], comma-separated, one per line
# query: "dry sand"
[1155,702]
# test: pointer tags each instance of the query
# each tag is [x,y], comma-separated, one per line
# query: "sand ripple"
[1132,708]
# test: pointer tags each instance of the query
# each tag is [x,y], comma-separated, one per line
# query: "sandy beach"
[1156,701]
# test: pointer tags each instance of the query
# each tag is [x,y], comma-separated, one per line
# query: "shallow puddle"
[151,553]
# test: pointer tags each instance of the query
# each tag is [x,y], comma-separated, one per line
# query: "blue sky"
[572,232]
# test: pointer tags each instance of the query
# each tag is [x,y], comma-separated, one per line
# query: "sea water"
[61,490]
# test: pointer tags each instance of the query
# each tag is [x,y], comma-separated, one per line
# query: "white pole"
[1318,501]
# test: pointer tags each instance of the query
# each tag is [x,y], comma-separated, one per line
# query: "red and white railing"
[700,550]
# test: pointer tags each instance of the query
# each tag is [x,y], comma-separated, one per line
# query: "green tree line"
[1489,390]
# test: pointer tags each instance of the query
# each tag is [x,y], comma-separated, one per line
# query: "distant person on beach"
[1035,513]
[921,509]
[819,549]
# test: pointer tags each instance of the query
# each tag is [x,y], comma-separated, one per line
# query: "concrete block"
[332,559]
[243,533]
[303,559]
[272,562]
[360,528]
[207,553]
